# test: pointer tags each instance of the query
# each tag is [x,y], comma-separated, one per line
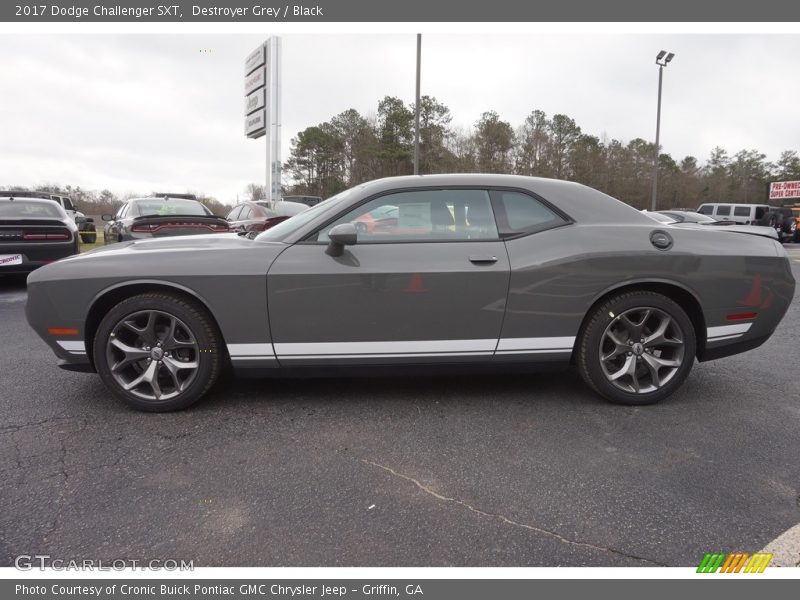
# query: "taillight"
[142,228]
[35,236]
[219,227]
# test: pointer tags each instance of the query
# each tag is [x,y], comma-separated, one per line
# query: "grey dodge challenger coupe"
[487,269]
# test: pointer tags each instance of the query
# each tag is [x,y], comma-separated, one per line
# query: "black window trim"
[505,230]
[567,220]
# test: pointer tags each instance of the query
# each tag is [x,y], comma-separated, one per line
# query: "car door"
[429,287]
[114,227]
[233,217]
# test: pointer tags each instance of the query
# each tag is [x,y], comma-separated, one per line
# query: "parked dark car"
[260,215]
[33,233]
[86,226]
[478,271]
[782,219]
[161,217]
[307,200]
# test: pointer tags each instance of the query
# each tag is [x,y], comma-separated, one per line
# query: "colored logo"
[736,562]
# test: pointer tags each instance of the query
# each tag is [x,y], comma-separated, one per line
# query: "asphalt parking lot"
[507,470]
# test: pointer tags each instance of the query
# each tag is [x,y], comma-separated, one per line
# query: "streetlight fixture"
[662,60]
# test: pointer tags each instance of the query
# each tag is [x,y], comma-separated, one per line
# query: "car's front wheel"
[636,348]
[158,351]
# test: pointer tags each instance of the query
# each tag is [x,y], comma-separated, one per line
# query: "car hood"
[171,257]
[212,241]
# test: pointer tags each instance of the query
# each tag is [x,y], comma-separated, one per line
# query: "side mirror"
[342,235]
[108,217]
[79,220]
[89,220]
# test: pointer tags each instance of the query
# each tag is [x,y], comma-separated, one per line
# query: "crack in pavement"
[506,520]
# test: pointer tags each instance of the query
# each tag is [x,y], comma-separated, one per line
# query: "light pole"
[416,112]
[662,60]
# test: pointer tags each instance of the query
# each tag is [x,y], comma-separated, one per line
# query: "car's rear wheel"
[158,351]
[636,348]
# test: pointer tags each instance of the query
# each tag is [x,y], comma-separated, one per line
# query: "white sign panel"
[10,259]
[255,125]
[254,59]
[255,80]
[254,101]
[779,190]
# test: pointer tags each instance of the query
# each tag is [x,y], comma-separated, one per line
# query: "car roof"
[582,203]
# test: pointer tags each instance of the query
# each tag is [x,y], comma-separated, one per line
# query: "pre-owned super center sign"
[780,190]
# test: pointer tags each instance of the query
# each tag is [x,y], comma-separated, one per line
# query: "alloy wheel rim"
[641,350]
[153,355]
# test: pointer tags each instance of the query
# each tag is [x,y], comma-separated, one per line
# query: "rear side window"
[741,211]
[246,212]
[706,209]
[519,213]
[234,214]
[724,210]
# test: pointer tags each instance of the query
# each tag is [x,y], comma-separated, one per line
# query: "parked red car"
[261,215]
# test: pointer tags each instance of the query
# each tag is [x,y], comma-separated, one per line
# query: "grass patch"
[85,247]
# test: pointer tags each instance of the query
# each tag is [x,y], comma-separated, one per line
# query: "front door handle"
[482,259]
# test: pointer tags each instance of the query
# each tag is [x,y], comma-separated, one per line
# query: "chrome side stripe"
[72,346]
[727,331]
[422,347]
[250,351]
[535,345]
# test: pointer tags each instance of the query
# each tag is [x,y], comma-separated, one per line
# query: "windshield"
[698,218]
[292,224]
[172,206]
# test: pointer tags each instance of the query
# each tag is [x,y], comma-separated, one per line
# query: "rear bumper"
[37,255]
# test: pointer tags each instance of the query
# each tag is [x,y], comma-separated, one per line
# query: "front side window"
[234,214]
[422,216]
[68,204]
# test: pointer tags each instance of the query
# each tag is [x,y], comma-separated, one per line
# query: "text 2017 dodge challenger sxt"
[469,269]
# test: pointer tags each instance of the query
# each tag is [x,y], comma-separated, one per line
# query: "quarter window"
[520,213]
[422,216]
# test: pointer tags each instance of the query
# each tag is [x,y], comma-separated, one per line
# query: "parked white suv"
[743,214]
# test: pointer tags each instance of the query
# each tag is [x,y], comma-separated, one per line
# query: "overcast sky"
[142,113]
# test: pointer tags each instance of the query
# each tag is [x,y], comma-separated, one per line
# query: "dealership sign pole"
[262,107]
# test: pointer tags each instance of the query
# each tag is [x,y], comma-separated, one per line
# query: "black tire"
[88,237]
[192,318]
[594,335]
